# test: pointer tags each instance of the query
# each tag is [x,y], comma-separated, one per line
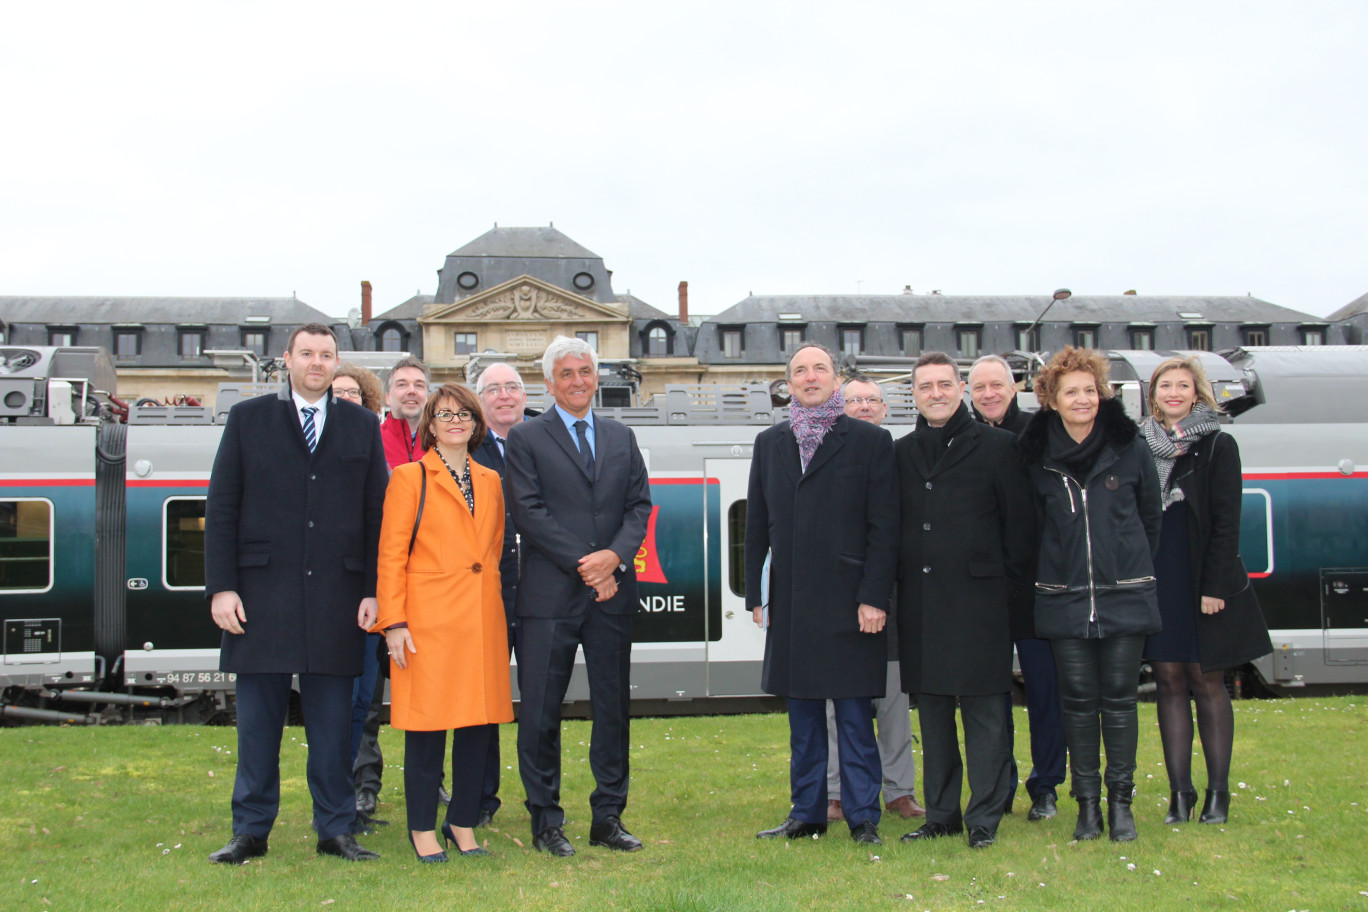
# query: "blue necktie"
[586,451]
[310,435]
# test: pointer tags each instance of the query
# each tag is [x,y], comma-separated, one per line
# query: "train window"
[736,548]
[183,543]
[25,545]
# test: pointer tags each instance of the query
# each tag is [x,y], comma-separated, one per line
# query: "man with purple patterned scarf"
[823,500]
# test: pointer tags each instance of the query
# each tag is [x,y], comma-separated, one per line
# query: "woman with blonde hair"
[1097,502]
[1211,619]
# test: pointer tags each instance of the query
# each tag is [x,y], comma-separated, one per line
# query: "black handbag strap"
[422,499]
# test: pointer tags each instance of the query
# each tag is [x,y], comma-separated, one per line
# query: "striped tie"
[310,435]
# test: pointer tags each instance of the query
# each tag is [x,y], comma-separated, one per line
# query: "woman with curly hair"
[358,385]
[1097,500]
[1211,617]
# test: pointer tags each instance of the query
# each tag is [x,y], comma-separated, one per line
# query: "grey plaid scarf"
[1167,445]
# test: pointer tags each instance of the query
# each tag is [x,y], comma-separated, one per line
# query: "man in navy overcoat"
[292,528]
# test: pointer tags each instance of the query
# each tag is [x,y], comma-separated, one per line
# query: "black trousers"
[546,659]
[370,762]
[489,795]
[423,752]
[986,750]
[262,701]
[1099,680]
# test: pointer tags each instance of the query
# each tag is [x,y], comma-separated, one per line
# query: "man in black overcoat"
[581,501]
[292,528]
[965,562]
[504,402]
[993,392]
[823,501]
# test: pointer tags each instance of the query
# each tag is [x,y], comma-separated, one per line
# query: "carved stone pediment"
[524,299]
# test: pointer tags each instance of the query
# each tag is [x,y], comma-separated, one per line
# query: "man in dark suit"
[993,391]
[292,528]
[964,564]
[581,502]
[823,500]
[504,401]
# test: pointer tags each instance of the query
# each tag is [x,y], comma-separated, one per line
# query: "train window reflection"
[183,550]
[25,545]
[736,548]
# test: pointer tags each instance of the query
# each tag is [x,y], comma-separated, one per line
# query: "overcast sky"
[978,148]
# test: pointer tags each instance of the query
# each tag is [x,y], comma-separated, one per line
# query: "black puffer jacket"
[1098,536]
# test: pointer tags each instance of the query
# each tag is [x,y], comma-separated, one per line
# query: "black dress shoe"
[793,829]
[346,846]
[611,834]
[553,842]
[981,837]
[366,802]
[932,831]
[239,850]
[1043,807]
[866,833]
[485,819]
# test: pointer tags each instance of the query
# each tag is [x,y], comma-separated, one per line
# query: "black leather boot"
[1120,820]
[1089,817]
[1181,806]
[1216,807]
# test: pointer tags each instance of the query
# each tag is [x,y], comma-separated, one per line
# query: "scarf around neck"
[1168,444]
[1077,457]
[934,440]
[810,425]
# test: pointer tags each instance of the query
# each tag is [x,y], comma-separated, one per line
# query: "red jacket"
[400,446]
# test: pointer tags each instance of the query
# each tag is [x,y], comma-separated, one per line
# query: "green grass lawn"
[123,818]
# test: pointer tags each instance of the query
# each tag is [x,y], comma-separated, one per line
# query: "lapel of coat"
[291,416]
[440,479]
[556,428]
[832,442]
[961,445]
[789,458]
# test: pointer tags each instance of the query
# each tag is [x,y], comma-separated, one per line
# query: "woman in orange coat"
[441,609]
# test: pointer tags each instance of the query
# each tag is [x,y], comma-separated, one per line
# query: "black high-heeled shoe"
[1216,807]
[1181,806]
[448,836]
[426,859]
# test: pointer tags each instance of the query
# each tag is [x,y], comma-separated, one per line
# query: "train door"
[1344,610]
[735,656]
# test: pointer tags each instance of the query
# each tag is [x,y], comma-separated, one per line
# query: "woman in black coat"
[1210,615]
[1098,515]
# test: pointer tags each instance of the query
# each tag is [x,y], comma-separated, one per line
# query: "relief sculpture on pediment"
[525,302]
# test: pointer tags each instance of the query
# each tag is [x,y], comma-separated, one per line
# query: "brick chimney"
[684,303]
[365,303]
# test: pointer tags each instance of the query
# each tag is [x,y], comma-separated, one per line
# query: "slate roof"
[1355,307]
[915,308]
[638,309]
[524,242]
[411,309]
[99,310]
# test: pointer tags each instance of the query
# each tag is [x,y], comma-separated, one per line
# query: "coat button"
[926,527]
[926,569]
[928,486]
[476,568]
[311,524]
[308,573]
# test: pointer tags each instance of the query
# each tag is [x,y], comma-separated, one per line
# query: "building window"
[183,549]
[852,340]
[391,339]
[465,344]
[590,337]
[26,548]
[1027,339]
[1256,335]
[910,341]
[1085,336]
[968,342]
[1142,339]
[1313,337]
[61,337]
[790,337]
[733,342]
[127,344]
[191,343]
[254,340]
[1199,338]
[657,341]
